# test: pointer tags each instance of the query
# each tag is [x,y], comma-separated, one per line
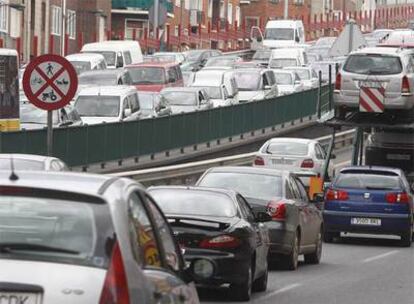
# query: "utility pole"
[286,12]
[156,16]
[63,27]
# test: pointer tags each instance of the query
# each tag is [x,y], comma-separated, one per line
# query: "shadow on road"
[374,241]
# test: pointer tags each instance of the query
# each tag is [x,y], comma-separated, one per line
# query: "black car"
[219,225]
[296,226]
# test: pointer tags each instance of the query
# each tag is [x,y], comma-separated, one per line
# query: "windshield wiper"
[10,247]
[378,188]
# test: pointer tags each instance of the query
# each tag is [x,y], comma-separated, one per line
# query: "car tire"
[290,261]
[407,238]
[315,257]
[242,292]
[328,237]
[260,284]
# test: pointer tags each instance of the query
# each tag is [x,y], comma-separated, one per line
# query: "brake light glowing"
[258,161]
[222,241]
[336,195]
[277,210]
[338,81]
[405,86]
[401,198]
[307,163]
[115,289]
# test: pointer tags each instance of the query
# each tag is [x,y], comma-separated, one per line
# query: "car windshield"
[97,79]
[212,92]
[194,55]
[81,66]
[35,228]
[22,164]
[194,203]
[288,148]
[262,55]
[180,98]
[247,81]
[250,185]
[146,101]
[373,64]
[98,105]
[282,63]
[32,114]
[284,78]
[165,58]
[220,61]
[302,73]
[147,75]
[279,34]
[108,55]
[368,181]
[313,58]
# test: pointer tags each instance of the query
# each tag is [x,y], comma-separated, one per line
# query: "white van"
[288,57]
[117,53]
[283,33]
[83,62]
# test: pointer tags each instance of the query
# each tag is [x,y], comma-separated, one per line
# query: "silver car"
[186,99]
[30,162]
[380,68]
[76,238]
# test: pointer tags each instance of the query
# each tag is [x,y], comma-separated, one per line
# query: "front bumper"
[340,221]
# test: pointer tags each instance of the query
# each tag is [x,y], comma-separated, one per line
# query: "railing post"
[330,87]
[319,102]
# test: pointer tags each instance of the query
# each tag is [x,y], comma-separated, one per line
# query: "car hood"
[150,87]
[62,283]
[94,120]
[220,102]
[285,88]
[278,43]
[183,109]
[250,95]
[33,126]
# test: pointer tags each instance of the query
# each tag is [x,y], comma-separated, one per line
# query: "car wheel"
[290,261]
[315,257]
[328,237]
[261,283]
[243,291]
[406,238]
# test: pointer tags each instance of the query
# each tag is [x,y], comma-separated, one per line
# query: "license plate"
[20,298]
[365,221]
[398,156]
[371,84]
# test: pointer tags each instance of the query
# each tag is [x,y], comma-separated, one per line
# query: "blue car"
[369,200]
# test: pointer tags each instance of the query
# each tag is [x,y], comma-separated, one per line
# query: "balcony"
[140,4]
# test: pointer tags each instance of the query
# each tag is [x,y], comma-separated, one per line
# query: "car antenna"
[13,176]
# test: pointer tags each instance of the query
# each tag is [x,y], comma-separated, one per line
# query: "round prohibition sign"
[50,82]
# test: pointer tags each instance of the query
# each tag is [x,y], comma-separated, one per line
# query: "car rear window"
[201,203]
[373,64]
[369,181]
[250,185]
[288,148]
[55,230]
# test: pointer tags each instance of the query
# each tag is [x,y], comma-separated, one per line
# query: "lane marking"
[380,256]
[278,291]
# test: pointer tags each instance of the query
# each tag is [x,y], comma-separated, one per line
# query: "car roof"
[372,168]
[153,65]
[116,72]
[228,192]
[181,89]
[252,170]
[378,50]
[119,90]
[298,68]
[39,158]
[85,56]
[292,140]
[251,70]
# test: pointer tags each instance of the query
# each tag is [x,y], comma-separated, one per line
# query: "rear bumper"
[340,221]
[352,101]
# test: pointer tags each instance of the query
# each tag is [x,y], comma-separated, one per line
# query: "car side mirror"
[267,87]
[333,156]
[259,39]
[297,39]
[297,82]
[263,217]
[66,123]
[127,112]
[318,198]
[171,80]
[119,61]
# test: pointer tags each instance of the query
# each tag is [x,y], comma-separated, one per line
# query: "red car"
[155,76]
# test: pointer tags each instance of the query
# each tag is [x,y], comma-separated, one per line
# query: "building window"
[210,8]
[222,15]
[230,13]
[238,15]
[56,20]
[187,4]
[71,24]
[178,3]
[3,18]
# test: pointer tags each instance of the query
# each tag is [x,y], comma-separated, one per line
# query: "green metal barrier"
[79,146]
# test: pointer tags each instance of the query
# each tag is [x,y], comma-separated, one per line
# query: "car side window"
[145,246]
[134,102]
[127,56]
[166,236]
[265,81]
[318,152]
[172,75]
[178,72]
[271,78]
[245,209]
[295,191]
[302,190]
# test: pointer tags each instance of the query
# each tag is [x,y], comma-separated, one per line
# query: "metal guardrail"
[196,168]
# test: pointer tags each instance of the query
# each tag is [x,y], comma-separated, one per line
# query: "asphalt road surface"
[354,270]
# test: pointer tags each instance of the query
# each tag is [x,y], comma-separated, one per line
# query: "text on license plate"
[19,298]
[365,221]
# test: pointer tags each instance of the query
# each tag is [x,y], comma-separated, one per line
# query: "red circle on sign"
[34,97]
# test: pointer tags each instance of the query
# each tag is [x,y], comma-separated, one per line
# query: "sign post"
[50,82]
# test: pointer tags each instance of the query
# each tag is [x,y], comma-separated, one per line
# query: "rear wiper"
[10,247]
[378,188]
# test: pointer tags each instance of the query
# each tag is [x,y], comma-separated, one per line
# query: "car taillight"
[222,241]
[277,210]
[405,86]
[338,81]
[307,163]
[336,195]
[115,289]
[401,198]
[258,161]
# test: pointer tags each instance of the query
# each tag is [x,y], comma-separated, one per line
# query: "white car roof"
[85,57]
[282,23]
[209,77]
[108,91]
[110,45]
[292,140]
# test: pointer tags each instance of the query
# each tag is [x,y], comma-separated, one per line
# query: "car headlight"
[203,268]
